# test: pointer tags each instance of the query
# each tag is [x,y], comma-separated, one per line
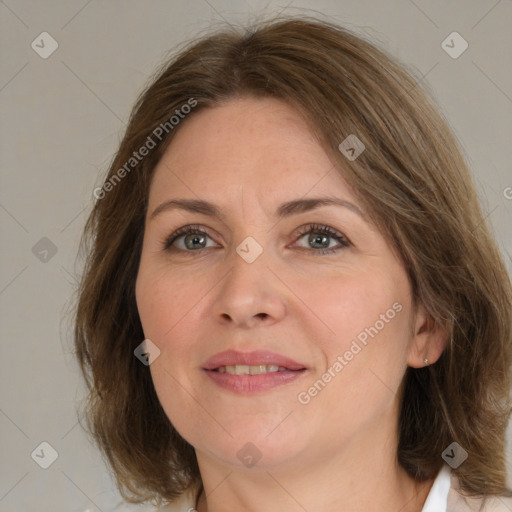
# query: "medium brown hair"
[413,180]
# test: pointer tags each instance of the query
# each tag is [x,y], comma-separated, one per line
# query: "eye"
[194,239]
[319,236]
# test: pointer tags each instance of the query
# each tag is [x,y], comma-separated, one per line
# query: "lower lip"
[248,384]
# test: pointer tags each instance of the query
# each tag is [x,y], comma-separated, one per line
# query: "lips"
[249,373]
[255,358]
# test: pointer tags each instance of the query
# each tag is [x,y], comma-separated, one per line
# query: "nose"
[250,294]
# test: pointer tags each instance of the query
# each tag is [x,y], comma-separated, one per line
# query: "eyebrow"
[287,209]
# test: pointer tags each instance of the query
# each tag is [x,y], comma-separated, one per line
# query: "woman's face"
[277,272]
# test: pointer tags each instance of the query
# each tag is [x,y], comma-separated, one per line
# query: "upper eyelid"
[297,233]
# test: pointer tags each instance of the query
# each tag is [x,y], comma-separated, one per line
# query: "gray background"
[61,120]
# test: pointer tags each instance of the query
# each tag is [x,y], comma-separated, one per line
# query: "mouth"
[251,363]
[251,372]
[244,369]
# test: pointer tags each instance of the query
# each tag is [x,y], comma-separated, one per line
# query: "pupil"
[314,239]
[193,240]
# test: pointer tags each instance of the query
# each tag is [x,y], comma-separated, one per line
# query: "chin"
[254,445]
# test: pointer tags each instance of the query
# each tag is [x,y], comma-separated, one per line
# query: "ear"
[429,340]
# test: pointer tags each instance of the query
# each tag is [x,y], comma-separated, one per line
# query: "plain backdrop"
[62,117]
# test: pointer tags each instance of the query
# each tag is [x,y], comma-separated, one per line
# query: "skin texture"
[338,451]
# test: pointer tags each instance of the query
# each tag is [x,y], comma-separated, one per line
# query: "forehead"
[261,145]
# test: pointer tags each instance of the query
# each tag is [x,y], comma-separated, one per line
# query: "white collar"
[437,499]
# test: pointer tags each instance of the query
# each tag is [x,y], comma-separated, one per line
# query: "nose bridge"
[248,267]
[249,291]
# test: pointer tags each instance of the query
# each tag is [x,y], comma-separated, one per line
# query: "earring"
[425,361]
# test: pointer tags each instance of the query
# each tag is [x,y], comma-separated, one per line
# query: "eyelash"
[311,228]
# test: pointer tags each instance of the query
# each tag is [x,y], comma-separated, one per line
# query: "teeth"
[243,369]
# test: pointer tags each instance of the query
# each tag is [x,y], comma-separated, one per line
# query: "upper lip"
[254,358]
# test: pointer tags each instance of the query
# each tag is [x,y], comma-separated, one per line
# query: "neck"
[362,476]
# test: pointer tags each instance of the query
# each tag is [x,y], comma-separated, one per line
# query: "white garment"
[443,497]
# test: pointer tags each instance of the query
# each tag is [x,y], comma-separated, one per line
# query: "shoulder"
[458,502]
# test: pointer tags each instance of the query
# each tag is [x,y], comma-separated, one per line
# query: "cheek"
[165,313]
[363,371]
[168,308]
[349,305]
[174,394]
[161,302]
[368,332]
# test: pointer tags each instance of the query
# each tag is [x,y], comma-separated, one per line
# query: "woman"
[291,299]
